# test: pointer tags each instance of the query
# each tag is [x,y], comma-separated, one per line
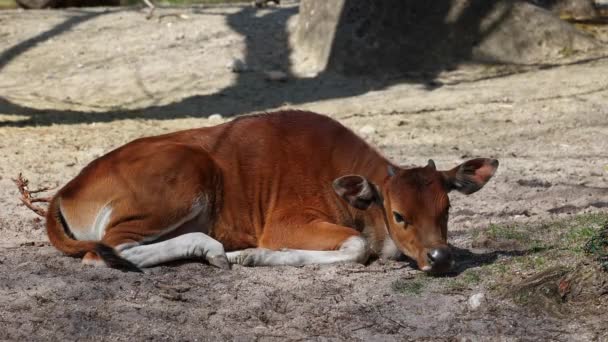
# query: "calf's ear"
[356,191]
[471,175]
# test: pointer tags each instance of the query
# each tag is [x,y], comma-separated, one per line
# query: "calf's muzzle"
[440,259]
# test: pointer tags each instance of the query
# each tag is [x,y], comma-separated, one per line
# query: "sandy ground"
[77,83]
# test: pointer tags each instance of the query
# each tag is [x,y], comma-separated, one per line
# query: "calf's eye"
[398,217]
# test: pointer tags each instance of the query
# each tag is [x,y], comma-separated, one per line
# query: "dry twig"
[151,7]
[26,195]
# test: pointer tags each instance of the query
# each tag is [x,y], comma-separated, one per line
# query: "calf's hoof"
[219,261]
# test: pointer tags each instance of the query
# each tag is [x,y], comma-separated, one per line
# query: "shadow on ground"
[430,45]
[466,259]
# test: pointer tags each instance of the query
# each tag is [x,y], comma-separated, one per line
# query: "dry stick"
[364,327]
[391,320]
[26,195]
[152,8]
[379,314]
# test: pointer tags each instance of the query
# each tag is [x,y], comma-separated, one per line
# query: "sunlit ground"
[8,4]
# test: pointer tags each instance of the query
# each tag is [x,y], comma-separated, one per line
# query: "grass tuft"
[597,247]
[411,286]
[500,232]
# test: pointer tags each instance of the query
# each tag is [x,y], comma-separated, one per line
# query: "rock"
[476,300]
[569,9]
[265,3]
[216,117]
[534,183]
[367,130]
[382,37]
[260,330]
[276,76]
[238,66]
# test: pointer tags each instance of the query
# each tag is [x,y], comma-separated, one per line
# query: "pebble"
[476,300]
[276,76]
[367,130]
[216,117]
[259,330]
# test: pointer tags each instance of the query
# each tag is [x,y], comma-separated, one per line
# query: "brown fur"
[264,181]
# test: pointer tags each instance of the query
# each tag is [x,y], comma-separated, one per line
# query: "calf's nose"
[440,259]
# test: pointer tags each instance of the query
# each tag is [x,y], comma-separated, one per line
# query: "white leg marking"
[187,246]
[389,249]
[354,249]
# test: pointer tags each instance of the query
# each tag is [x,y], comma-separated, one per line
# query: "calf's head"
[415,204]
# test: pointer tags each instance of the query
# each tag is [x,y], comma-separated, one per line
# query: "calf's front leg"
[315,243]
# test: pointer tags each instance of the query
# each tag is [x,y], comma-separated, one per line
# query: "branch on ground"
[26,195]
[151,7]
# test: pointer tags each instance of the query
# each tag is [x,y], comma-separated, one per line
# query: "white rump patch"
[96,231]
[101,222]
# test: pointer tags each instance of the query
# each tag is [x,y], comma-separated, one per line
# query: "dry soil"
[77,83]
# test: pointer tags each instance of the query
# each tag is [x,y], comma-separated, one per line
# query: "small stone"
[476,300]
[276,76]
[238,66]
[216,117]
[259,330]
[367,130]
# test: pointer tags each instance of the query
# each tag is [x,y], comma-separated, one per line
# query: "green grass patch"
[531,262]
[504,232]
[582,229]
[597,247]
[546,245]
[413,286]
[465,280]
[569,234]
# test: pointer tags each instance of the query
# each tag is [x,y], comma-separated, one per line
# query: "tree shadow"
[434,39]
[466,259]
[15,51]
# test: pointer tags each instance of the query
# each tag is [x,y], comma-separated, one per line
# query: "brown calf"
[285,188]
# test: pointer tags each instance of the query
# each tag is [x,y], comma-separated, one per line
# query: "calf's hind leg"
[313,243]
[129,238]
[193,244]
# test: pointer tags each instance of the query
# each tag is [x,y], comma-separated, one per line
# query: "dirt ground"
[77,83]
